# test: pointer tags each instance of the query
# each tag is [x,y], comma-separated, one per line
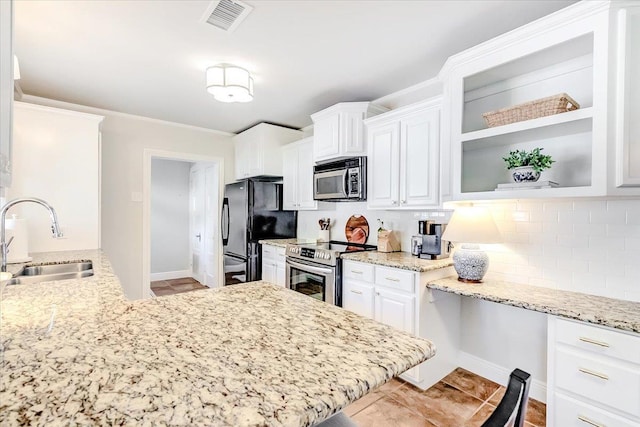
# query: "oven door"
[313,280]
[330,185]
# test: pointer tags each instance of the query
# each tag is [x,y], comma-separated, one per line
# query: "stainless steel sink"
[50,272]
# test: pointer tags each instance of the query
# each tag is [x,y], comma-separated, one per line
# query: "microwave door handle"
[345,182]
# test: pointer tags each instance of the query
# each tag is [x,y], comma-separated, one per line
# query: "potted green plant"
[527,165]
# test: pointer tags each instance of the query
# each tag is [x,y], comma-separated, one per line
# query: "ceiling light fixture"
[229,83]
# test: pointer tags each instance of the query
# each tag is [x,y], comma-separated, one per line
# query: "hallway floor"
[176,286]
[461,399]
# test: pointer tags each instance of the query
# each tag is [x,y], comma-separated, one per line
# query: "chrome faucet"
[4,245]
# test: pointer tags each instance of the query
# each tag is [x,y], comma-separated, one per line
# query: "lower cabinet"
[273,265]
[593,375]
[400,299]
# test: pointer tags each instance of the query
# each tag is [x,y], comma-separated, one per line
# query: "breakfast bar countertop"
[614,313]
[251,354]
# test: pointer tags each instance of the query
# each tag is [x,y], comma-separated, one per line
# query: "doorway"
[181,216]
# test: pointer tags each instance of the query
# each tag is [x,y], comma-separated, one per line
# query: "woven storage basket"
[560,103]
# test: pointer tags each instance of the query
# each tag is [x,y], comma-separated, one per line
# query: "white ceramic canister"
[19,248]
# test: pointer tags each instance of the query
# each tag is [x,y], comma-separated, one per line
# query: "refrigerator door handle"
[225,221]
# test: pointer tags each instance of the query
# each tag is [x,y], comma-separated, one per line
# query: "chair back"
[512,408]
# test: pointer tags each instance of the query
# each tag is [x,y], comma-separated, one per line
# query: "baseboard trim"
[499,374]
[168,275]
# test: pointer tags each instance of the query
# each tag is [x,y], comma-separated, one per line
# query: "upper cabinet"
[339,130]
[403,148]
[6,91]
[589,51]
[627,126]
[564,52]
[297,176]
[257,150]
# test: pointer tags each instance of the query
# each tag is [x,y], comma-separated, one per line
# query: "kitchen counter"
[403,260]
[282,243]
[619,314]
[249,354]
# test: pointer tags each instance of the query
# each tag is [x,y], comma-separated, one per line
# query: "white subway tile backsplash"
[590,246]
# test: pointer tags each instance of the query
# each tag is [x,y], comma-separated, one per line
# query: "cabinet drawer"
[395,278]
[573,413]
[268,252]
[358,270]
[599,340]
[603,380]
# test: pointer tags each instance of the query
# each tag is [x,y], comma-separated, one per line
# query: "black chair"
[512,408]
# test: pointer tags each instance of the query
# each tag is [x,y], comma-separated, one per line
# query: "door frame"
[148,155]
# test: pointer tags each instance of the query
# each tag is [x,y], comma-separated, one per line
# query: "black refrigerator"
[251,211]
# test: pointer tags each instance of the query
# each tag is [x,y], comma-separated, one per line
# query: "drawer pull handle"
[356,271]
[594,373]
[590,422]
[356,292]
[391,279]
[592,341]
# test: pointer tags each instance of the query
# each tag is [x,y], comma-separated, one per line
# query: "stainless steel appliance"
[316,269]
[342,180]
[433,247]
[251,210]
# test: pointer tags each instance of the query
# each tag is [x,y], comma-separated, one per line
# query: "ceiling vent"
[226,14]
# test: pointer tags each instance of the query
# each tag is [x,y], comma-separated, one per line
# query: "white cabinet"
[564,52]
[627,127]
[273,264]
[6,89]
[339,130]
[399,298]
[593,375]
[56,157]
[255,149]
[404,157]
[297,176]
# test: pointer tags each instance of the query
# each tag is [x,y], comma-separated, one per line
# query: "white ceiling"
[149,57]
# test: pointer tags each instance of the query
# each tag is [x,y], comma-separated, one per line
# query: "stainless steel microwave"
[342,180]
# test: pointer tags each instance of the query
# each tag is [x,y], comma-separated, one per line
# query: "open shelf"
[538,124]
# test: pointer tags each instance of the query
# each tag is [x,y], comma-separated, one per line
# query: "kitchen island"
[253,354]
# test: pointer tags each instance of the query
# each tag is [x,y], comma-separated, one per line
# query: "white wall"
[169,216]
[56,157]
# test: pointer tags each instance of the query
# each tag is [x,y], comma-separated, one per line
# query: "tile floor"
[175,286]
[461,399]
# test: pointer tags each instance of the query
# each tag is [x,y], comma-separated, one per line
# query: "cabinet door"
[305,176]
[383,166]
[326,138]
[289,177]
[395,309]
[242,161]
[358,298]
[255,153]
[280,267]
[269,271]
[628,94]
[351,138]
[419,171]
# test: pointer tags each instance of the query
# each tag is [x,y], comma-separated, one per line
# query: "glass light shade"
[228,83]
[472,225]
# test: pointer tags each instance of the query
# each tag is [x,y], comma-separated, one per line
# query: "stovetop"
[325,253]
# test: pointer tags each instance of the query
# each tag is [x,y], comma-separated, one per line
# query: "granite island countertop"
[402,260]
[249,354]
[614,313]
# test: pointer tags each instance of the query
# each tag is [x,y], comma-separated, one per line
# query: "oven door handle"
[309,268]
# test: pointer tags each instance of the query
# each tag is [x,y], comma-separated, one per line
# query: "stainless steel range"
[316,269]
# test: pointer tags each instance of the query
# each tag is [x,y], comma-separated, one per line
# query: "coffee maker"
[433,247]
